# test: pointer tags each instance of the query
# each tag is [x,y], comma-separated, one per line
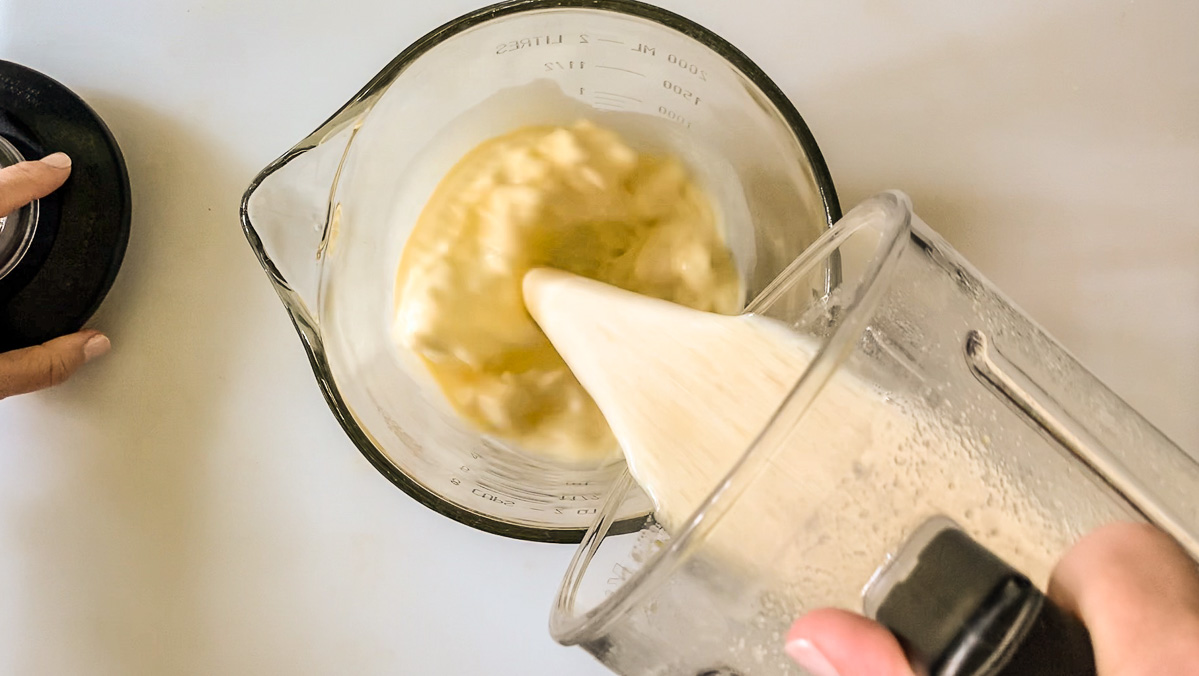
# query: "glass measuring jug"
[963,409]
[329,218]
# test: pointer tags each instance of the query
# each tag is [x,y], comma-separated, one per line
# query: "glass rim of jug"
[360,104]
[891,213]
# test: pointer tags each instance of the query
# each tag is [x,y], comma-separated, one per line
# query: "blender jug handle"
[1143,467]
[959,610]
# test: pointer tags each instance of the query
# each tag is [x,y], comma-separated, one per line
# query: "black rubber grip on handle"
[962,611]
[1056,644]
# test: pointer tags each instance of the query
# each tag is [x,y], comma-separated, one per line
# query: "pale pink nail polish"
[57,160]
[808,656]
[96,346]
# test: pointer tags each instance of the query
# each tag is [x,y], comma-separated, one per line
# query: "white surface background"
[189,506]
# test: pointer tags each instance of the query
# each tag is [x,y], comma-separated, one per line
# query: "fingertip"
[57,161]
[1136,559]
[842,643]
[40,366]
[26,181]
[96,345]
[807,655]
[1137,591]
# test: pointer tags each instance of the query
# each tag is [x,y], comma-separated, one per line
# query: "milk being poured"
[687,392]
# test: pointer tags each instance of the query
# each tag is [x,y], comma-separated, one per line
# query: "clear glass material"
[328,219]
[962,408]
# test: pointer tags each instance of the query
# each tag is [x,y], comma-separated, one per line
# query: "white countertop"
[189,506]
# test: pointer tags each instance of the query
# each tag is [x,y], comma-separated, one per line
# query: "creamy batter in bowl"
[330,219]
[576,199]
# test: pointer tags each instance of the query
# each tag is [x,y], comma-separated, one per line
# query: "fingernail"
[810,658]
[96,346]
[57,160]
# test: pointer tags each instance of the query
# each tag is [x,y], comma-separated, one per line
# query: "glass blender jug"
[329,218]
[968,419]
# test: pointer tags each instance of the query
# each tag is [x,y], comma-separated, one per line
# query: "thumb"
[24,182]
[832,642]
[48,364]
[1137,591]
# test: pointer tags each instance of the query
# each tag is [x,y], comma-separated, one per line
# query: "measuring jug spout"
[289,216]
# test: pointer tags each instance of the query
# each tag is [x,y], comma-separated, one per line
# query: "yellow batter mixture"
[574,198]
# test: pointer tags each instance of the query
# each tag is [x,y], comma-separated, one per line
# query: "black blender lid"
[82,228]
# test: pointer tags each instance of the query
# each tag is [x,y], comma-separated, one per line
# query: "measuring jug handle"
[959,610]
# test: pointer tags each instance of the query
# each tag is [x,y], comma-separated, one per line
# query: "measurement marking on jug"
[672,115]
[526,43]
[645,49]
[620,573]
[616,103]
[688,66]
[615,42]
[492,497]
[681,91]
[564,65]
[626,70]
[618,96]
